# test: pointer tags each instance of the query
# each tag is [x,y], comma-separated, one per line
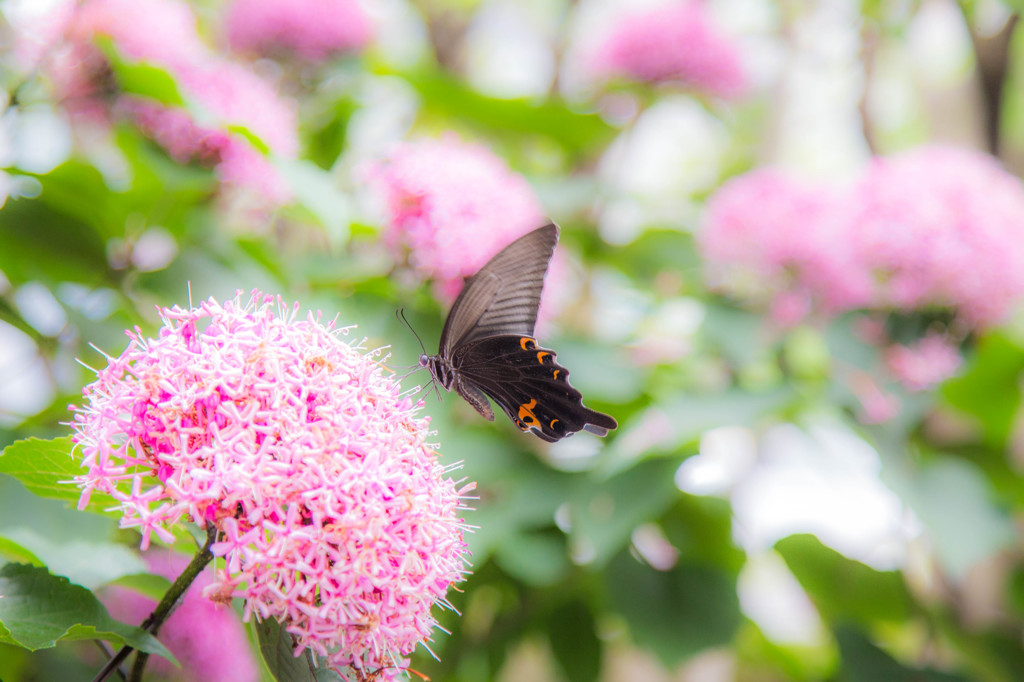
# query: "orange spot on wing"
[556,374]
[540,356]
[526,343]
[526,412]
[553,422]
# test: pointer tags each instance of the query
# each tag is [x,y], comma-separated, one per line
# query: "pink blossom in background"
[925,363]
[164,33]
[674,42]
[335,515]
[773,238]
[208,639]
[311,29]
[933,227]
[939,226]
[877,405]
[451,205]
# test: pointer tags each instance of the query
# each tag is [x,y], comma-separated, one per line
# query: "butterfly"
[488,348]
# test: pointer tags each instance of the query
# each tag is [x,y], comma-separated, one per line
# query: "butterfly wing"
[502,298]
[528,384]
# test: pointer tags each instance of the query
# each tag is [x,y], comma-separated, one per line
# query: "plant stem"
[163,610]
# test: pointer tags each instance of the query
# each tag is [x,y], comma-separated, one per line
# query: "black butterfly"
[488,348]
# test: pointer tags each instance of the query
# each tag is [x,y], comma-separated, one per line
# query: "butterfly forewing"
[502,298]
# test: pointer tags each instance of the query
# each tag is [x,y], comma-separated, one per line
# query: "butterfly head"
[439,368]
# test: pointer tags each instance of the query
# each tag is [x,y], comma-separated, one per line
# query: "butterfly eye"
[424,360]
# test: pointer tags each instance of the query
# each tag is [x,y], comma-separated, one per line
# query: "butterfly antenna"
[400,313]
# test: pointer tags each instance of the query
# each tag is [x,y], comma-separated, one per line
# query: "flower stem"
[163,610]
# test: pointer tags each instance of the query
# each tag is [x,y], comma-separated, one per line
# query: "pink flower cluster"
[677,42]
[924,364]
[934,227]
[451,206]
[335,516]
[164,33]
[206,638]
[311,29]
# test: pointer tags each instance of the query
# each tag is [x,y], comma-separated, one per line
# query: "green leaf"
[574,642]
[140,77]
[865,662]
[147,584]
[675,613]
[843,589]
[38,243]
[106,211]
[734,332]
[43,465]
[701,528]
[76,545]
[328,130]
[250,136]
[277,651]
[39,609]
[605,513]
[954,499]
[536,559]
[988,388]
[665,428]
[12,551]
[318,192]
[449,99]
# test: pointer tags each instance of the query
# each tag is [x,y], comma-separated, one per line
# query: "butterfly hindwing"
[529,385]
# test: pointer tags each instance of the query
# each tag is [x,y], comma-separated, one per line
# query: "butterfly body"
[488,349]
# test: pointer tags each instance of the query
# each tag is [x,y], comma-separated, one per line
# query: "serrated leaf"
[41,466]
[843,589]
[38,609]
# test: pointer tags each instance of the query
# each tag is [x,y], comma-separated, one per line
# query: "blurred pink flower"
[208,639]
[925,363]
[164,33]
[877,406]
[674,42]
[335,516]
[933,227]
[771,238]
[452,205]
[312,29]
[939,226]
